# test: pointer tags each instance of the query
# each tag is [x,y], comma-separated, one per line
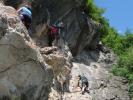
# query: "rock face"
[27,71]
[13,3]
[24,75]
[102,84]
[79,31]
[31,71]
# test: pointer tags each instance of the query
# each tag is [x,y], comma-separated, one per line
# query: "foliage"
[122,45]
[124,66]
[94,11]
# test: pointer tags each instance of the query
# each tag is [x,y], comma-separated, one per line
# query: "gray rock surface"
[102,84]
[24,75]
[26,70]
[29,72]
[79,31]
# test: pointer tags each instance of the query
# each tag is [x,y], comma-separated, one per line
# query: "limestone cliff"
[30,70]
[79,32]
[23,72]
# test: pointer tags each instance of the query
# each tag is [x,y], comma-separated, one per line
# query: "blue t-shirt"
[25,11]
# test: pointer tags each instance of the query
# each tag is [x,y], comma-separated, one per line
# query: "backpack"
[53,30]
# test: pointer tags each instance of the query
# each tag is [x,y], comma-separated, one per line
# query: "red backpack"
[53,30]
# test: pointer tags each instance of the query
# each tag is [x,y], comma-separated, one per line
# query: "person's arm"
[19,10]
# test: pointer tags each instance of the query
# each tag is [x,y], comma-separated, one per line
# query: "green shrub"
[120,71]
[131,90]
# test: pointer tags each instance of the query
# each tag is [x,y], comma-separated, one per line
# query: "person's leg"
[27,25]
[55,39]
[86,87]
[49,40]
[83,88]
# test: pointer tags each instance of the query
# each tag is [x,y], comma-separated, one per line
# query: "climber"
[83,84]
[54,32]
[25,14]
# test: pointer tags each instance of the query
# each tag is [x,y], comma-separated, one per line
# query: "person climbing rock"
[83,84]
[25,14]
[54,32]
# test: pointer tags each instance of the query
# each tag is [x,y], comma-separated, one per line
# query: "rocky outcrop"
[24,74]
[31,71]
[103,85]
[79,31]
[26,70]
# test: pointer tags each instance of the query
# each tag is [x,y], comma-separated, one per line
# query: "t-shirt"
[25,11]
[84,79]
